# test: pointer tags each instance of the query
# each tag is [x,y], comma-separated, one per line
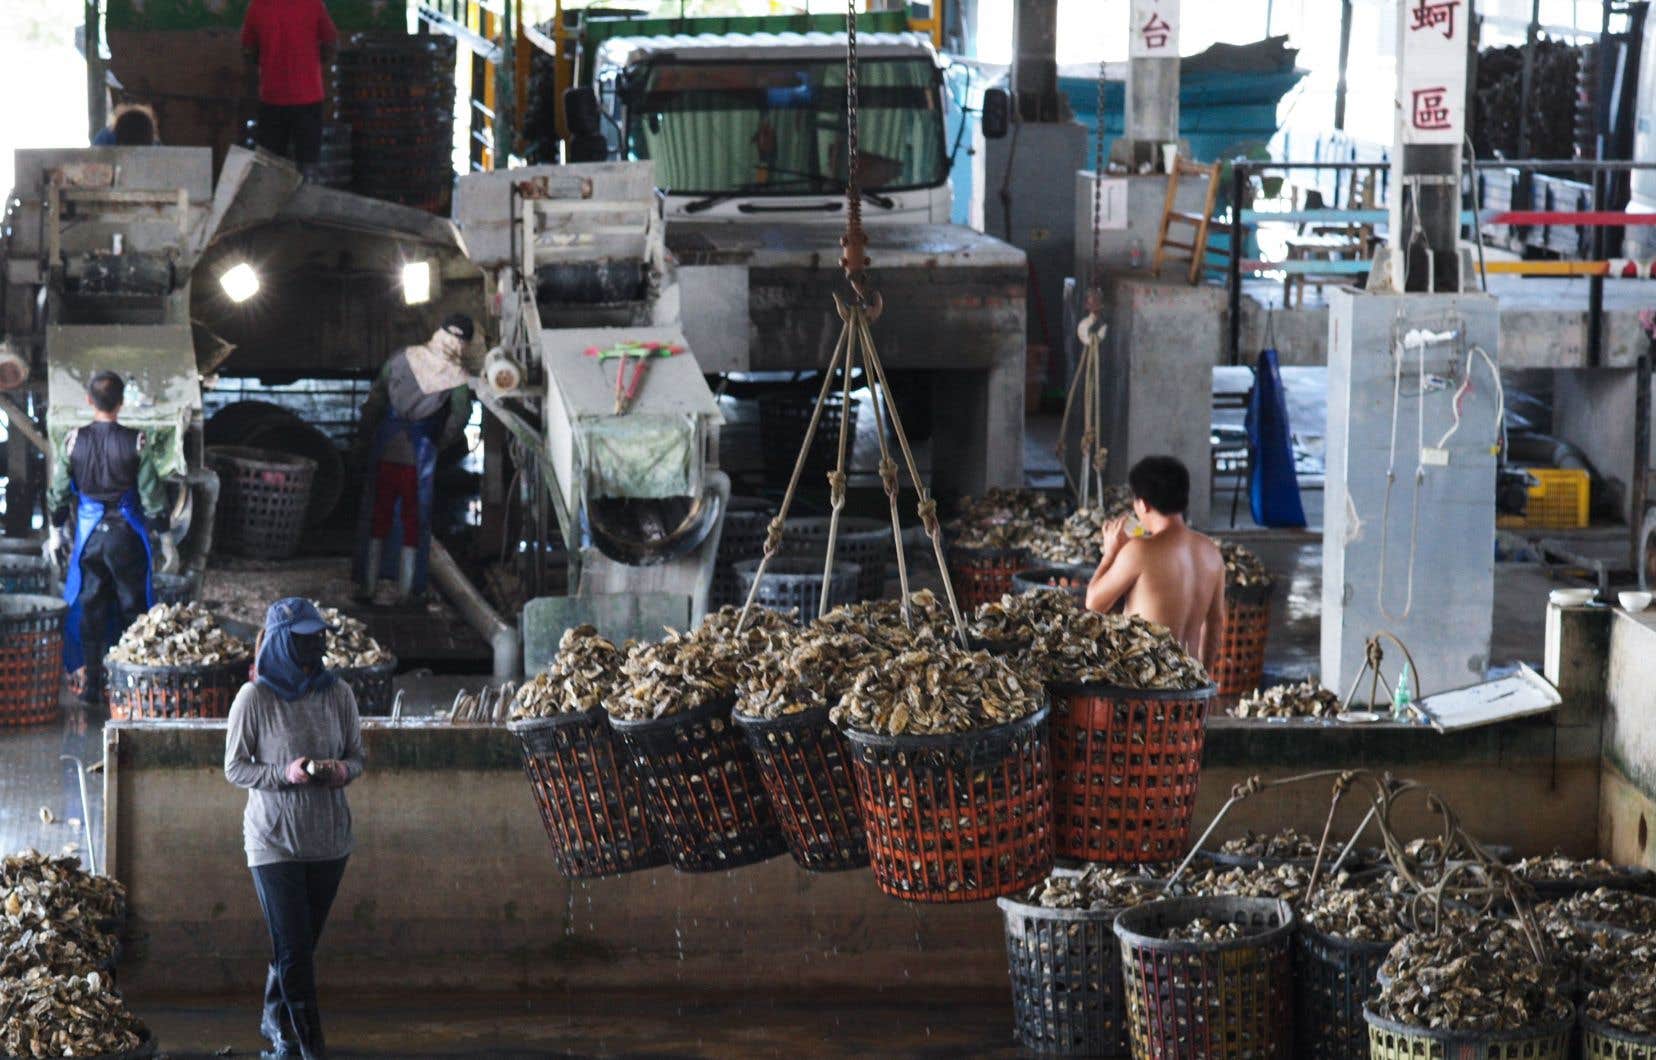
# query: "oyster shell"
[1361,909]
[1202,929]
[1478,973]
[349,647]
[1307,699]
[584,673]
[688,670]
[1060,642]
[178,635]
[1243,569]
[46,1015]
[1098,888]
[937,689]
[1289,842]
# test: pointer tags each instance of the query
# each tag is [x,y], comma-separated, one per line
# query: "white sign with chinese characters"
[1154,33]
[1431,86]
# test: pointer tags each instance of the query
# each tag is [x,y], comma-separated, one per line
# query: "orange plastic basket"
[1241,665]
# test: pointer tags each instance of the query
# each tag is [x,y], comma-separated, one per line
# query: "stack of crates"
[396,92]
[1559,499]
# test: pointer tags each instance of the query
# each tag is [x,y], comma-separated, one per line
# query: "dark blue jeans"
[296,897]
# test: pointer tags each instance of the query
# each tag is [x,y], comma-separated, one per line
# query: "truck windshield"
[771,127]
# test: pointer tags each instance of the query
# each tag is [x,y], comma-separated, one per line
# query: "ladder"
[1196,250]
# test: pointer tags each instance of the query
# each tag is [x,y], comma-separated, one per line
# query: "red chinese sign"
[1153,32]
[1429,110]
[1431,83]
[1429,13]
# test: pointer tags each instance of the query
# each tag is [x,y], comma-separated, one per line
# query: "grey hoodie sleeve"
[241,767]
[351,721]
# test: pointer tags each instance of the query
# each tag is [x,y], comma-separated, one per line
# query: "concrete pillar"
[1594,410]
[1366,551]
[1035,60]
[1152,100]
[1152,117]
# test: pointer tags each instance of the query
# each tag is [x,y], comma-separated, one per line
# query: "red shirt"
[288,36]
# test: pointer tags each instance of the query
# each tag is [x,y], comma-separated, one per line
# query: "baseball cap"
[460,325]
[297,614]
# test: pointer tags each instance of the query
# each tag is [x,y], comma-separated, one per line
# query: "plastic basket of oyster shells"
[1474,987]
[950,758]
[175,661]
[1345,931]
[1064,962]
[1123,691]
[1208,977]
[1557,876]
[1618,1018]
[358,659]
[1241,663]
[584,785]
[703,795]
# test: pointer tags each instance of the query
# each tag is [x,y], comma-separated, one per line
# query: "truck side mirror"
[996,113]
[581,114]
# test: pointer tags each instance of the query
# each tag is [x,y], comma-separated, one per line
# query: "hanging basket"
[372,686]
[1241,665]
[1207,1000]
[797,584]
[1390,1040]
[1600,1041]
[1334,978]
[703,796]
[1125,768]
[743,537]
[31,658]
[863,542]
[806,768]
[26,574]
[960,817]
[1065,966]
[983,575]
[263,499]
[588,795]
[173,691]
[1071,579]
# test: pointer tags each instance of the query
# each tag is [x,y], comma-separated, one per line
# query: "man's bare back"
[1175,577]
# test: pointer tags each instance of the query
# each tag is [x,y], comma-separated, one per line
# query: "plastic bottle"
[1402,698]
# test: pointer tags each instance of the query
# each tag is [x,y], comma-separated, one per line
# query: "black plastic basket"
[1390,1040]
[588,794]
[262,501]
[864,542]
[204,691]
[31,657]
[706,803]
[1206,1000]
[1600,1041]
[1065,967]
[25,574]
[797,584]
[1071,579]
[372,685]
[806,767]
[1334,978]
[961,817]
[745,523]
[1631,878]
[783,419]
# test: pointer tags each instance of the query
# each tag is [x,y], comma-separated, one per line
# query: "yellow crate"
[1558,501]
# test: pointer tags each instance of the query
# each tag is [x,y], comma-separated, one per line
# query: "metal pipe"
[503,639]
[1595,283]
[1527,81]
[1239,177]
[1641,454]
[1345,59]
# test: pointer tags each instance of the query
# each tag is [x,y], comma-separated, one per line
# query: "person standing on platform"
[1173,575]
[294,741]
[419,404]
[111,475]
[289,42]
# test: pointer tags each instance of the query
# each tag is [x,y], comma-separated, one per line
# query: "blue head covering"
[290,659]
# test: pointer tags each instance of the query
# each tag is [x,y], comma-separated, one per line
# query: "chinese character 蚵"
[1429,13]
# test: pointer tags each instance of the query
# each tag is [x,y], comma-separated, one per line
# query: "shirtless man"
[1175,576]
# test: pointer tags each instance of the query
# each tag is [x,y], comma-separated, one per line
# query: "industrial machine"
[615,428]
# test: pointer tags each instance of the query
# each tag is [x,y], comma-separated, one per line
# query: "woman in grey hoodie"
[294,742]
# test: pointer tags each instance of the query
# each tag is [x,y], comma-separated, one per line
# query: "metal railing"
[1593,225]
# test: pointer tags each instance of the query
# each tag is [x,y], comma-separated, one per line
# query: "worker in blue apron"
[119,502]
[419,404]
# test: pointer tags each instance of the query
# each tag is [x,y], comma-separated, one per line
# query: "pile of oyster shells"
[804,670]
[1203,929]
[1555,866]
[349,647]
[47,1015]
[1628,1003]
[1054,639]
[1003,518]
[936,689]
[1618,909]
[1476,974]
[57,941]
[1288,843]
[1371,908]
[583,674]
[178,635]
[1097,888]
[881,621]
[1243,569]
[1079,539]
[1307,699]
[1287,881]
[688,670]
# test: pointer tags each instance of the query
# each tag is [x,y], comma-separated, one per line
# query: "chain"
[1094,281]
[854,243]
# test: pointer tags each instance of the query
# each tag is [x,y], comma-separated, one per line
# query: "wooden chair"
[1196,250]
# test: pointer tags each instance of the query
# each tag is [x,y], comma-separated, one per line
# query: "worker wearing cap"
[420,403]
[294,741]
[120,502]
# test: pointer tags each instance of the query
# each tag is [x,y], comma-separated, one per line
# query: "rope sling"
[1091,331]
[856,345]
